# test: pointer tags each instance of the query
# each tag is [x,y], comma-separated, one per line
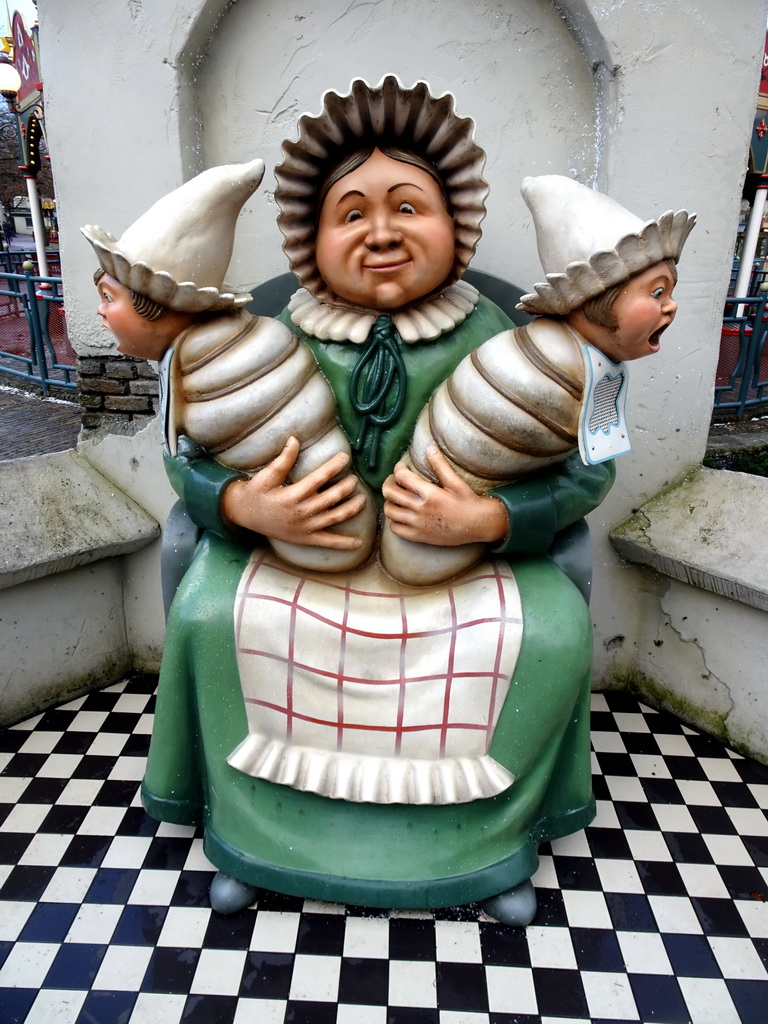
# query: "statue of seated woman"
[342,735]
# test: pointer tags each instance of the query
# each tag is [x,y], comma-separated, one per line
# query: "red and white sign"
[24,59]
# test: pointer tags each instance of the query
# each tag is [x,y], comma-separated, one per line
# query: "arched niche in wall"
[525,71]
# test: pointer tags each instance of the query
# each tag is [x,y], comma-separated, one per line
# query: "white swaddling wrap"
[241,386]
[509,408]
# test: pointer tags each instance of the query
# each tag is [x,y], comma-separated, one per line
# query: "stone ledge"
[59,513]
[709,531]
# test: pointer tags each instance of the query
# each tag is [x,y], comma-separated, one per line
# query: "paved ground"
[30,425]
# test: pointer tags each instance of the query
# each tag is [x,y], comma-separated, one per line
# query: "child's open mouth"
[654,342]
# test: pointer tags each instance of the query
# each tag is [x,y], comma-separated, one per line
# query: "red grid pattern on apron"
[261,602]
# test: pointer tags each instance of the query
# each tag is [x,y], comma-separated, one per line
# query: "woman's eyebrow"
[404,184]
[352,192]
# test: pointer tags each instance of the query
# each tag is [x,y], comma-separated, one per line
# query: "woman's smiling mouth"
[379,268]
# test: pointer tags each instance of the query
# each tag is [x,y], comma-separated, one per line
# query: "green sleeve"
[200,482]
[541,506]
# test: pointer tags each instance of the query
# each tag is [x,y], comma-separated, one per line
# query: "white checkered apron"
[360,688]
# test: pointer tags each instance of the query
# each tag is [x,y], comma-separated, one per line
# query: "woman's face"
[385,237]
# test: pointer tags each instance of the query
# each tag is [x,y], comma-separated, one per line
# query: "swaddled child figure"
[529,397]
[241,386]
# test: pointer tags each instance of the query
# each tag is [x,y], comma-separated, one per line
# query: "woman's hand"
[446,514]
[299,513]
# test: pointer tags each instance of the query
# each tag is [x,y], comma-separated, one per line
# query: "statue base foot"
[228,895]
[515,907]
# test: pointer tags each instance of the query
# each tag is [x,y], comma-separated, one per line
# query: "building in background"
[19,216]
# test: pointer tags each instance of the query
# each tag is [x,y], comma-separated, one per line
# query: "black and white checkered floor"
[658,912]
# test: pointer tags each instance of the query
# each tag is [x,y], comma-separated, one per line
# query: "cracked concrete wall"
[652,99]
[732,678]
[61,636]
[700,656]
[701,650]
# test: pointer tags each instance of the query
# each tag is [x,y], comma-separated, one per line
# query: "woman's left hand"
[446,514]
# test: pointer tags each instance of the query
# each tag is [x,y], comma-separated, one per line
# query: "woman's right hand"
[299,513]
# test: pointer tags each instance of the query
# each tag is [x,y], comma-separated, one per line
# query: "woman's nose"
[670,307]
[382,234]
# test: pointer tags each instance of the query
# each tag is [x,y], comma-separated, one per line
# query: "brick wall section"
[115,387]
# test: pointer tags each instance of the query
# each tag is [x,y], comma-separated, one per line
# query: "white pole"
[38,228]
[751,237]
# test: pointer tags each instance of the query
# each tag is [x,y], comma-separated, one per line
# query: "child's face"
[643,310]
[385,237]
[136,336]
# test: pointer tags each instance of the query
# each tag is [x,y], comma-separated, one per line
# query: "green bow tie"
[377,387]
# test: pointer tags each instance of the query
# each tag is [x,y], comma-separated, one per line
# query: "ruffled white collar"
[435,316]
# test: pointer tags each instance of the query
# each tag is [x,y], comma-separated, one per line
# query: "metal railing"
[757,278]
[33,338]
[741,379]
[13,260]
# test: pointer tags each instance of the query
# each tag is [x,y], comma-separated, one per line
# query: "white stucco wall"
[496,57]
[652,98]
[136,466]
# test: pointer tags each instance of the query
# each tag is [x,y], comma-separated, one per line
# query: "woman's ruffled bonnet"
[388,113]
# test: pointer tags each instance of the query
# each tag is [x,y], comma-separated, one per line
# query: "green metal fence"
[741,380]
[33,341]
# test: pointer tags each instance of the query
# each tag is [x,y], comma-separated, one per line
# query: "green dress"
[371,854]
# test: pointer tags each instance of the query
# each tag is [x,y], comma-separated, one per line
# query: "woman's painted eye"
[657,293]
[107,297]
[406,208]
[352,216]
